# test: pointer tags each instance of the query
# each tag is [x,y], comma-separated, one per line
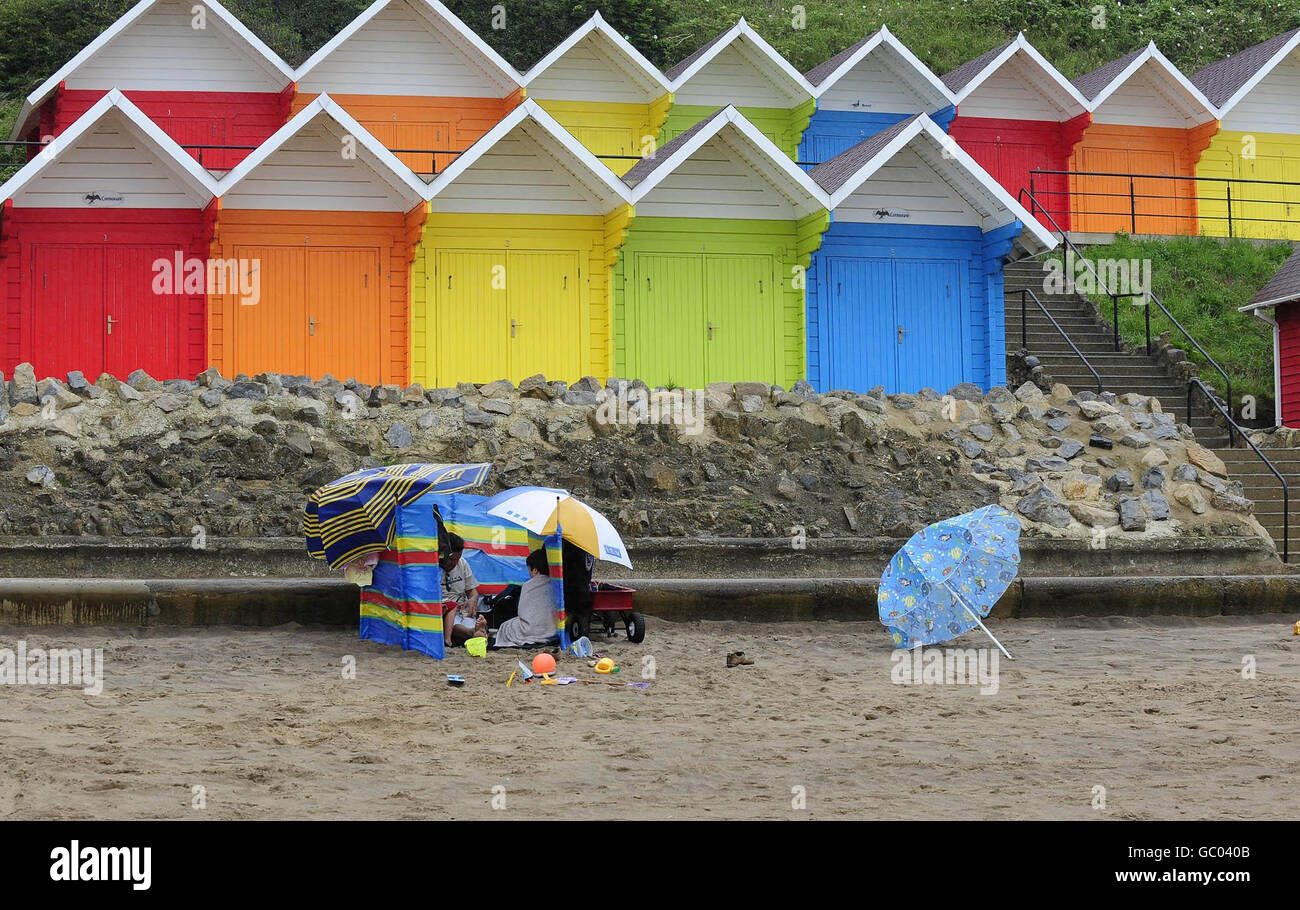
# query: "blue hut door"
[893,322]
[859,326]
[929,330]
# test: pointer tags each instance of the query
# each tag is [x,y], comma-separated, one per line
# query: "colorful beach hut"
[415,76]
[906,289]
[1151,123]
[708,284]
[866,88]
[739,68]
[100,238]
[190,65]
[511,275]
[1259,139]
[1282,296]
[324,220]
[1015,114]
[604,91]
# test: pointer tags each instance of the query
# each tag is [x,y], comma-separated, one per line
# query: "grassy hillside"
[1202,281]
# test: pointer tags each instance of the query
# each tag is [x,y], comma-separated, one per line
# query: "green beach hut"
[738,67]
[709,283]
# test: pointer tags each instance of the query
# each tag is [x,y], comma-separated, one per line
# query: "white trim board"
[1260,74]
[742,29]
[438,17]
[393,171]
[798,182]
[175,157]
[1018,46]
[653,78]
[590,172]
[884,37]
[267,58]
[959,164]
[1152,54]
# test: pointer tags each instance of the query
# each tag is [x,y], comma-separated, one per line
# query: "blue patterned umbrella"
[355,515]
[948,576]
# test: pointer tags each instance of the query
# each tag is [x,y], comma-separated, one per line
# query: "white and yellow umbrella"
[539,509]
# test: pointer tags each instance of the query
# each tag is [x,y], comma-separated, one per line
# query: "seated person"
[459,596]
[537,608]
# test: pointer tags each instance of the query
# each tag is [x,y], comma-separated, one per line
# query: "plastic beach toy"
[543,663]
[477,647]
[605,666]
[582,647]
[455,680]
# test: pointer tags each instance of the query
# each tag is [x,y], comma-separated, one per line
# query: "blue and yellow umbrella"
[354,516]
[949,576]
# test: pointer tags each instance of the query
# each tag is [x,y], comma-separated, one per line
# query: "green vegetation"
[1202,281]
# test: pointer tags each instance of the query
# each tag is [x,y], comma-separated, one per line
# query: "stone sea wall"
[136,457]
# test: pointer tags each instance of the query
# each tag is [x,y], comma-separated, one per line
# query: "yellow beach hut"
[511,275]
[604,91]
[739,68]
[1258,140]
[415,76]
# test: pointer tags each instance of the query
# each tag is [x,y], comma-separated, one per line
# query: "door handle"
[647,282]
[311,326]
[710,331]
[449,282]
[515,325]
[901,332]
[111,323]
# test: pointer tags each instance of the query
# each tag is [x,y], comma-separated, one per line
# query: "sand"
[1155,711]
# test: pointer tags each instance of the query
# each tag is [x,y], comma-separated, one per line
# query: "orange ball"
[543,663]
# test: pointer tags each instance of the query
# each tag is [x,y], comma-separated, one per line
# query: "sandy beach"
[1156,711]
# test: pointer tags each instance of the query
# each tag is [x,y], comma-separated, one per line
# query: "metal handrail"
[1024,341]
[1232,424]
[1150,297]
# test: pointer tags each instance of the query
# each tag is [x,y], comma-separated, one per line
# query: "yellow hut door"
[545,302]
[741,327]
[344,308]
[469,332]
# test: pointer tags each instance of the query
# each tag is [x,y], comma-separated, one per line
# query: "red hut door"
[145,330]
[67,318]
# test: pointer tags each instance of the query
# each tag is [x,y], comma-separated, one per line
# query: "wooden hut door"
[742,327]
[67,322]
[269,329]
[666,323]
[148,329]
[929,333]
[469,333]
[545,302]
[344,308]
[1163,206]
[859,349]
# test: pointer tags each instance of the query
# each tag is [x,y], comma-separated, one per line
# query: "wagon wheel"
[635,628]
[576,628]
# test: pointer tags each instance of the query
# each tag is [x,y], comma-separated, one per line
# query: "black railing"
[1035,207]
[1140,205]
[1195,384]
[1025,293]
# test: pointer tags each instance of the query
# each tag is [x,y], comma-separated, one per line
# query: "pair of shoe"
[738,659]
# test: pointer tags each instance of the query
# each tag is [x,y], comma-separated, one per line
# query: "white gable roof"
[199,185]
[216,17]
[1068,97]
[593,187]
[1192,101]
[955,166]
[913,70]
[759,152]
[616,48]
[355,146]
[438,19]
[772,62]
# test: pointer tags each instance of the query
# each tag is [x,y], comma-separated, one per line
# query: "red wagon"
[613,603]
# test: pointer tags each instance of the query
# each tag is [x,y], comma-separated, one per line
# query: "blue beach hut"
[867,88]
[906,288]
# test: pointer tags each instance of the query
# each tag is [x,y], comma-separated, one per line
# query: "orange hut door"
[343,308]
[1159,202]
[270,331]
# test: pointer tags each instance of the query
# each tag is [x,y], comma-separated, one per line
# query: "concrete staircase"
[1262,487]
[1120,371]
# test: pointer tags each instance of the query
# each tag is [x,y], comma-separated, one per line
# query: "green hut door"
[701,318]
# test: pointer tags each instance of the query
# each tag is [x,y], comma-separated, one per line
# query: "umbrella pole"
[975,616]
